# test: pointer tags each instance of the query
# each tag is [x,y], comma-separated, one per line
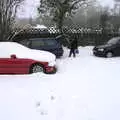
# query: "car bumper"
[50,70]
[99,53]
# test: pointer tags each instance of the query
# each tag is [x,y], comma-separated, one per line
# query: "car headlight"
[52,63]
[101,49]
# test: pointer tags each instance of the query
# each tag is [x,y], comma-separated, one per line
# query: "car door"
[51,45]
[12,65]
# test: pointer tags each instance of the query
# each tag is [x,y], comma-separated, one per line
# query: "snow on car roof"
[9,48]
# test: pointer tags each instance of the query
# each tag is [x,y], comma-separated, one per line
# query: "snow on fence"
[85,36]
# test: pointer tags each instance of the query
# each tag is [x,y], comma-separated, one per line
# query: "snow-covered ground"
[84,88]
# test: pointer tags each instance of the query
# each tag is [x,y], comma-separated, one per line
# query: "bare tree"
[104,18]
[8,10]
[59,10]
[18,30]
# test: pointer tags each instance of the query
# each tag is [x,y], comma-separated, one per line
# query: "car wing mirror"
[13,56]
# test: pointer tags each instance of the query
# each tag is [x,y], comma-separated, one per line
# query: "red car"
[18,59]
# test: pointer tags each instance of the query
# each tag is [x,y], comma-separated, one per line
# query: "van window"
[25,42]
[37,43]
[50,42]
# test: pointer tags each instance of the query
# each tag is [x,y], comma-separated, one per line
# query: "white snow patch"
[84,88]
[40,27]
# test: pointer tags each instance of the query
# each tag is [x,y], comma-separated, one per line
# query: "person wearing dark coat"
[73,47]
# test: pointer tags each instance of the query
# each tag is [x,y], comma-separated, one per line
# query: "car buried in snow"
[18,59]
[108,50]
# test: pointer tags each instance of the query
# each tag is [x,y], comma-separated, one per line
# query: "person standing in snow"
[73,47]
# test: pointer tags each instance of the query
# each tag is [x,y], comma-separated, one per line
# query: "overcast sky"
[29,7]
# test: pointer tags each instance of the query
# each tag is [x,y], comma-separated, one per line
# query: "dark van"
[48,44]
